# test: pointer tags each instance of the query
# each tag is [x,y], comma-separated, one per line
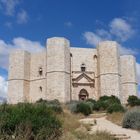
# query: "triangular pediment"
[83,78]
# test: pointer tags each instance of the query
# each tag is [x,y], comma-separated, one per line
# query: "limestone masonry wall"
[69,73]
[19,74]
[58,69]
[109,73]
[128,77]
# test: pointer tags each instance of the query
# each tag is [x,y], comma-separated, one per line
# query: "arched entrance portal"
[83,95]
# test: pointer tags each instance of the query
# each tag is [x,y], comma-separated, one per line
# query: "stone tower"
[128,77]
[19,76]
[58,69]
[108,68]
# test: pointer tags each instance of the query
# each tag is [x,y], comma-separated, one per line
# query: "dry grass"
[74,130]
[115,118]
[96,136]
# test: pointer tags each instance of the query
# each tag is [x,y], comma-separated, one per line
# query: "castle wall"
[58,69]
[109,73]
[76,91]
[128,77]
[88,57]
[83,55]
[37,81]
[19,74]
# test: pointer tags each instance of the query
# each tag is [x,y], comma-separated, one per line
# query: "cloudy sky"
[27,24]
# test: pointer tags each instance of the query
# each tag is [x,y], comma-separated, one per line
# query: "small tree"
[133,100]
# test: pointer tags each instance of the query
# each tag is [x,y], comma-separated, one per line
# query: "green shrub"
[90,104]
[110,99]
[133,101]
[29,120]
[104,102]
[55,108]
[91,100]
[84,108]
[132,119]
[104,98]
[72,106]
[52,104]
[100,105]
[115,108]
[41,101]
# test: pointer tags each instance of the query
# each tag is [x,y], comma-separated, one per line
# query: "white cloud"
[8,6]
[17,43]
[22,17]
[3,87]
[92,38]
[125,51]
[68,24]
[104,34]
[121,29]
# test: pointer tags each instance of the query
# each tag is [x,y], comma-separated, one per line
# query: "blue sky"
[27,25]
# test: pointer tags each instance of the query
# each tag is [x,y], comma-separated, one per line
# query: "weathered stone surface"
[128,77]
[57,73]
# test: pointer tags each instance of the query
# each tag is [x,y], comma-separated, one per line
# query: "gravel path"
[105,125]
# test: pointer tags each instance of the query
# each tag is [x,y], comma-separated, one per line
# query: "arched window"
[83,67]
[95,56]
[40,89]
[40,71]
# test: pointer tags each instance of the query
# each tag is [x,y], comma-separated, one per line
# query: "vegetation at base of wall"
[132,119]
[29,121]
[109,104]
[84,108]
[80,107]
[133,101]
[72,106]
[53,104]
[115,108]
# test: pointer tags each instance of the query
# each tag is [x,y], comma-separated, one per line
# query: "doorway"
[83,95]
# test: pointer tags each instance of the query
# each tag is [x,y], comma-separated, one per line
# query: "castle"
[69,73]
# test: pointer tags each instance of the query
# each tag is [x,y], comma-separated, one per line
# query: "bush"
[52,104]
[133,101]
[84,108]
[132,119]
[41,101]
[101,105]
[105,101]
[91,100]
[29,121]
[72,106]
[115,108]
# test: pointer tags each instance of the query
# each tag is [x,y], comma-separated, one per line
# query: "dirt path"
[105,125]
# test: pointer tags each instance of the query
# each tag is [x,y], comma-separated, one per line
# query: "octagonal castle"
[68,73]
